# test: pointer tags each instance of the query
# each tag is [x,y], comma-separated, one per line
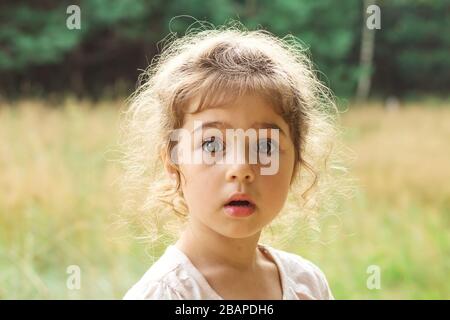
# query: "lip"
[239,211]
[240,196]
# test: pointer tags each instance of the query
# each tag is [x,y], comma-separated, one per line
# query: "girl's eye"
[266,146]
[212,145]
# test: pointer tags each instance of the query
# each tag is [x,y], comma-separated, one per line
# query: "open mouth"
[240,203]
[239,208]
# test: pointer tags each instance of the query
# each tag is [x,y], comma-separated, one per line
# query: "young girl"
[205,84]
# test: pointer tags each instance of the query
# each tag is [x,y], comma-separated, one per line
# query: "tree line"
[40,55]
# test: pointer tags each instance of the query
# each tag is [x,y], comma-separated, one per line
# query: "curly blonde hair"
[216,65]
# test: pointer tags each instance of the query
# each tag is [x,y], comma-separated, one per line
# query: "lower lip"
[239,211]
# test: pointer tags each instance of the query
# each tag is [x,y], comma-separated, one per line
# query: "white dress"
[173,276]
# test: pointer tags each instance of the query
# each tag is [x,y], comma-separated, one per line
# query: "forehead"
[240,112]
[244,107]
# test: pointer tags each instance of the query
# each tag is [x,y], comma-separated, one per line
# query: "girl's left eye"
[212,145]
[266,146]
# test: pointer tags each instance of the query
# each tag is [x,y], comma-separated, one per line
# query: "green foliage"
[118,37]
[415,44]
[33,36]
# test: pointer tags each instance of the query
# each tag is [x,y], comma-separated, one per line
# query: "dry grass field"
[58,204]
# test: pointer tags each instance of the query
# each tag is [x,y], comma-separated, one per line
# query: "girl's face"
[207,187]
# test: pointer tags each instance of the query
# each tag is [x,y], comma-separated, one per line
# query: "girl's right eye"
[212,145]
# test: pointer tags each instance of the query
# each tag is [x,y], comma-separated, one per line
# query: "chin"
[238,232]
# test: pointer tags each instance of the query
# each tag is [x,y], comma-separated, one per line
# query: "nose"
[240,173]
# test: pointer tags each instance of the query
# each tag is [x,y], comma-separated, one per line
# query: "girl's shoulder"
[162,280]
[303,277]
[172,277]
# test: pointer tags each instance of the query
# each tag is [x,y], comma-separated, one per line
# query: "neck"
[205,247]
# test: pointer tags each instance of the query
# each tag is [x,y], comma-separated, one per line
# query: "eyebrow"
[223,125]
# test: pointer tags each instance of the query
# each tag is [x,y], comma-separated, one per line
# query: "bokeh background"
[61,92]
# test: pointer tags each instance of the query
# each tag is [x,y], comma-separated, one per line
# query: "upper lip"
[240,197]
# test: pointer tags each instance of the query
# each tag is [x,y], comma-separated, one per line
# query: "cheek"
[277,185]
[199,185]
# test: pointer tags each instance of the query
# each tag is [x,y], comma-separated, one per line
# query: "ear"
[168,165]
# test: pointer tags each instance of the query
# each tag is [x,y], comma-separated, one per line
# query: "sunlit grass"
[58,204]
[400,217]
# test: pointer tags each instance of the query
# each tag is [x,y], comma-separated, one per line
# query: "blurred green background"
[60,95]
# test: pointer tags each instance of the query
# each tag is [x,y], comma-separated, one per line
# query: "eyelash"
[213,139]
